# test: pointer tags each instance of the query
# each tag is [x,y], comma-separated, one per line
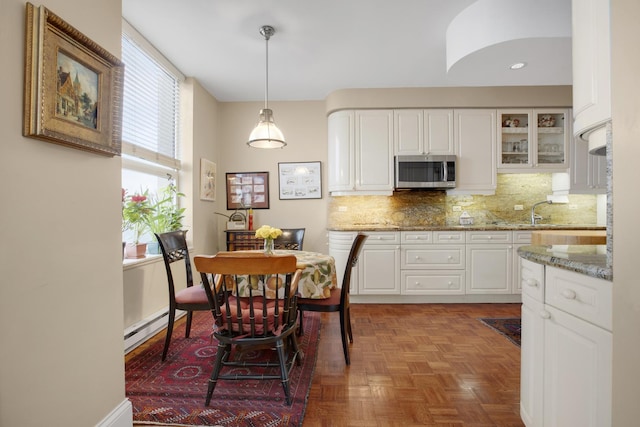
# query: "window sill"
[130,263]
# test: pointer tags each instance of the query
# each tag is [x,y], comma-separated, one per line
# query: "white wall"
[60,258]
[625,96]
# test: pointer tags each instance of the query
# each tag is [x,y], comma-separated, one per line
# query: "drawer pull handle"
[545,315]
[568,294]
[490,237]
[532,283]
[449,257]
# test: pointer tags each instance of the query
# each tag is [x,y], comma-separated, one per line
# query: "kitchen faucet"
[533,213]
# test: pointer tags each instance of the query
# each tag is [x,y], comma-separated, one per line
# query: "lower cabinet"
[566,348]
[415,263]
[489,262]
[379,264]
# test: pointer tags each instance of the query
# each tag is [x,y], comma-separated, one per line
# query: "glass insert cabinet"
[533,139]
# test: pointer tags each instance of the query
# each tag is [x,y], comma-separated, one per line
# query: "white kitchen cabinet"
[489,256]
[566,348]
[588,172]
[421,132]
[339,247]
[591,52]
[533,140]
[341,151]
[360,152]
[379,264]
[520,238]
[431,266]
[475,143]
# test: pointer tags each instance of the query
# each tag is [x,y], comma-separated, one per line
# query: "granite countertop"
[590,260]
[475,227]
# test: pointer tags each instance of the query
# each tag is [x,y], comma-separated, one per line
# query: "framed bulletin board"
[300,180]
[247,190]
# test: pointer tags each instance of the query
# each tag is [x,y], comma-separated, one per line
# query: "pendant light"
[266,134]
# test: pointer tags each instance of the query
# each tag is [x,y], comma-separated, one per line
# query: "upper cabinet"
[591,48]
[422,132]
[360,152]
[588,172]
[475,142]
[533,140]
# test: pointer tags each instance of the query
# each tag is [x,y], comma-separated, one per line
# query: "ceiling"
[323,46]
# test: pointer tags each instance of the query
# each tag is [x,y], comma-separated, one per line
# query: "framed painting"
[207,180]
[73,87]
[248,190]
[300,180]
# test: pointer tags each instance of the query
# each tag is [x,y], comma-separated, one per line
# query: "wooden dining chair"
[173,246]
[338,301]
[261,316]
[291,238]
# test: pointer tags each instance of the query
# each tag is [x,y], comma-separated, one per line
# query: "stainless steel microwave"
[435,171]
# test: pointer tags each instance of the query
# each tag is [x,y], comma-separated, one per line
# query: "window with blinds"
[150,119]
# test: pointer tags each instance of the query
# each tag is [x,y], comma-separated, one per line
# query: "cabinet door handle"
[531,282]
[568,294]
[450,257]
[545,314]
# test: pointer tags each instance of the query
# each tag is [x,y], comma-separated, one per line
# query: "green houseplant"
[136,210]
[165,214]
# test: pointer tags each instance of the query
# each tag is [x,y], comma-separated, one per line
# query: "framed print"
[207,180]
[73,87]
[300,180]
[248,190]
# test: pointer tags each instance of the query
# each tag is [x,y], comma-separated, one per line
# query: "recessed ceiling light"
[518,65]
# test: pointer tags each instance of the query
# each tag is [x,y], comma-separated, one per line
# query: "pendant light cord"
[266,72]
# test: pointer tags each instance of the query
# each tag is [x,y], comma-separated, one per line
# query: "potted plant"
[165,214]
[135,213]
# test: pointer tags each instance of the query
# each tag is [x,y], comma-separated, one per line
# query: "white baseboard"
[147,327]
[121,416]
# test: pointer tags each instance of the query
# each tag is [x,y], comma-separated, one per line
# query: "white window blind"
[150,124]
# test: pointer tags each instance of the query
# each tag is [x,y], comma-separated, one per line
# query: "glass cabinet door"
[515,150]
[551,138]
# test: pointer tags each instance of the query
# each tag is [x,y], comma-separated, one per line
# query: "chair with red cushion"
[339,299]
[254,307]
[192,298]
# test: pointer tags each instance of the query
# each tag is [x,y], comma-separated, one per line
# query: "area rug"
[509,327]
[173,392]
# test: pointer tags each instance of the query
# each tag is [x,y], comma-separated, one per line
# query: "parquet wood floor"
[417,365]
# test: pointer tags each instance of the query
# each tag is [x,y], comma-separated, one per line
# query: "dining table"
[318,274]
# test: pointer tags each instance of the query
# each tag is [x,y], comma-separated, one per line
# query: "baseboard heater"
[146,328]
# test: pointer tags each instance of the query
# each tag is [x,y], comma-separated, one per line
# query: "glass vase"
[268,246]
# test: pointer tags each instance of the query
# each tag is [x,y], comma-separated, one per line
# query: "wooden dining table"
[318,274]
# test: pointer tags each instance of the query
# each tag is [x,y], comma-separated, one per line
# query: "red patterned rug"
[173,392]
[509,327]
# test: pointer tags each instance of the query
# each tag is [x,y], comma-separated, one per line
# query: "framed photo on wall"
[73,87]
[247,190]
[207,180]
[300,180]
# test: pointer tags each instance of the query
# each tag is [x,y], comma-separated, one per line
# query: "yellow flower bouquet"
[268,233]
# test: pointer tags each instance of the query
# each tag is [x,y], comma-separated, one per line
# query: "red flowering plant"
[135,214]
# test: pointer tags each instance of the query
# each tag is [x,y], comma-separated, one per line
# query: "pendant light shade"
[266,134]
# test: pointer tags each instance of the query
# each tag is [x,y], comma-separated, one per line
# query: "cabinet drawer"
[436,256]
[488,236]
[532,279]
[448,237]
[583,296]
[341,237]
[433,282]
[412,237]
[522,237]
[382,238]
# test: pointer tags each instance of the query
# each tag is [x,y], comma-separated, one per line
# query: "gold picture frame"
[73,87]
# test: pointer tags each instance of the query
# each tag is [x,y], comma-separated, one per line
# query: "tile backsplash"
[436,208]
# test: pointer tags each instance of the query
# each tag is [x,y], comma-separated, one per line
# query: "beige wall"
[61,286]
[304,125]
[625,94]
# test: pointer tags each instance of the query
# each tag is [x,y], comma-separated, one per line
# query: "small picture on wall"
[247,190]
[207,180]
[300,180]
